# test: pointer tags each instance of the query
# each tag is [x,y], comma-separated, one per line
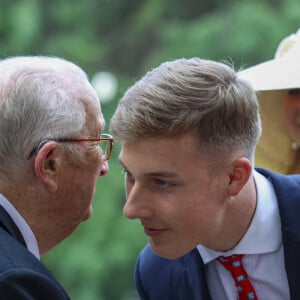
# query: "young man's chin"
[169,253]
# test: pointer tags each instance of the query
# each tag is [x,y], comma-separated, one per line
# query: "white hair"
[40,97]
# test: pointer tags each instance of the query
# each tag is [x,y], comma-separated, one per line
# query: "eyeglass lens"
[105,148]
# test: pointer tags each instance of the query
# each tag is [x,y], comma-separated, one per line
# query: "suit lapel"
[8,224]
[289,208]
[192,284]
[196,277]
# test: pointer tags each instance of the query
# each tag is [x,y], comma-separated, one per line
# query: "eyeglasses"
[105,141]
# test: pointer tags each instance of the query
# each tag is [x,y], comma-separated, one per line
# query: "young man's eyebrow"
[164,174]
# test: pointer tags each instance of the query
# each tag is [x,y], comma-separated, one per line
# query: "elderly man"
[50,159]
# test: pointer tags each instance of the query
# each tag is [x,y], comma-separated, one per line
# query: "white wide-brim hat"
[272,79]
[282,72]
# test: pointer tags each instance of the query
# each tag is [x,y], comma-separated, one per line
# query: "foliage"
[128,37]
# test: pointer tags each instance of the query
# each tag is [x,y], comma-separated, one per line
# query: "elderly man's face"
[292,114]
[78,181]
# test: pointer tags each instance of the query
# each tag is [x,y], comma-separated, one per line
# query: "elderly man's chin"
[87,214]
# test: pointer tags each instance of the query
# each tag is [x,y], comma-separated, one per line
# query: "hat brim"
[276,74]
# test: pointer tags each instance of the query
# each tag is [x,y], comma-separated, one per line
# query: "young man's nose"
[137,206]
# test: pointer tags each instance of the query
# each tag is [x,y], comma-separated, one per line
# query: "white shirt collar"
[264,233]
[24,228]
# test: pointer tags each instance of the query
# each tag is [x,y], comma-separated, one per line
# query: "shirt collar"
[24,228]
[264,232]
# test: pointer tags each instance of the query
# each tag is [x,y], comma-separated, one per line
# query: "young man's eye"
[162,183]
[128,176]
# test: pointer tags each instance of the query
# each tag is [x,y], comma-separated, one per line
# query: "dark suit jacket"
[157,278]
[22,275]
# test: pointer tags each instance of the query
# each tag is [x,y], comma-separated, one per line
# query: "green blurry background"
[126,38]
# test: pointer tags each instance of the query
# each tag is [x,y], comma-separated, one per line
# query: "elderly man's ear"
[47,165]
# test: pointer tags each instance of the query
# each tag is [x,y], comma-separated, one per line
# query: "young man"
[50,160]
[188,130]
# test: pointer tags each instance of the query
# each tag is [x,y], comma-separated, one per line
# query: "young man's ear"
[47,164]
[240,172]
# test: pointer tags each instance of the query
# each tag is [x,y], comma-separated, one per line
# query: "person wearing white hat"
[277,83]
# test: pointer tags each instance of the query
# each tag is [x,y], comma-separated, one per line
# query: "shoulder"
[174,270]
[287,190]
[21,273]
[149,261]
[170,279]
[281,180]
[286,187]
[14,255]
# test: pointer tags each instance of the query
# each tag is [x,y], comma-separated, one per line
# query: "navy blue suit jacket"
[157,278]
[22,275]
